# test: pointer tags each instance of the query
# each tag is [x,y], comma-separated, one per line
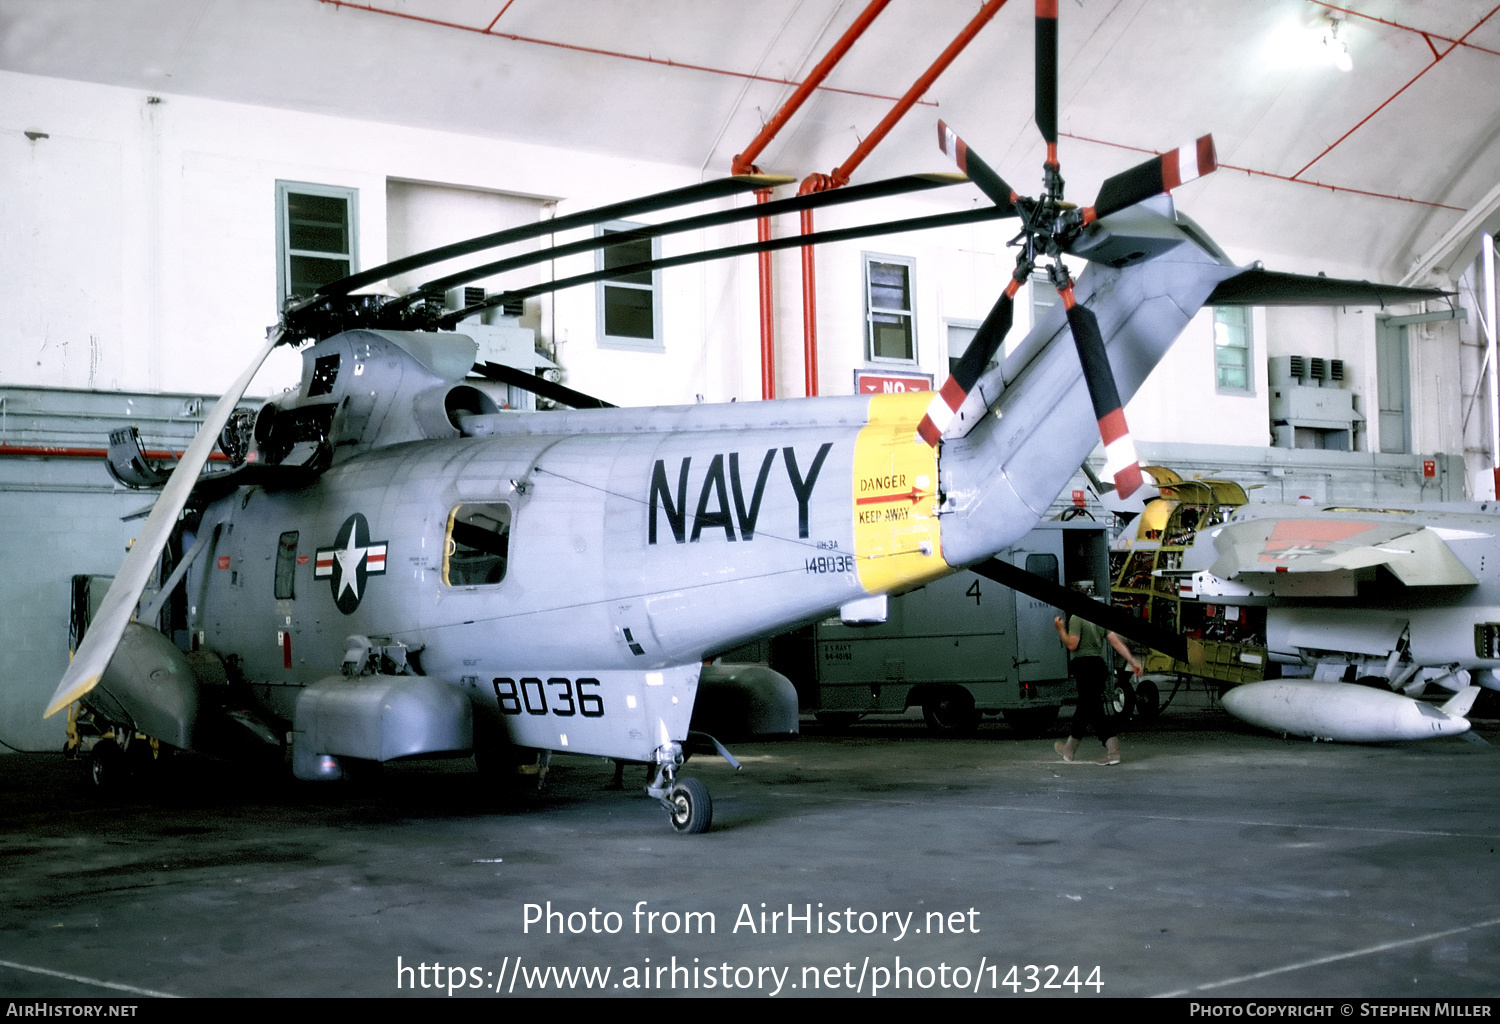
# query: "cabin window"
[1232,349]
[286,566]
[478,545]
[629,306]
[316,236]
[890,320]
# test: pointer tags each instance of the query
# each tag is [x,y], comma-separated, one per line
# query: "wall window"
[316,236]
[891,324]
[960,337]
[1232,349]
[629,306]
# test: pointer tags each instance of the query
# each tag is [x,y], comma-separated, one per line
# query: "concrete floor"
[1215,861]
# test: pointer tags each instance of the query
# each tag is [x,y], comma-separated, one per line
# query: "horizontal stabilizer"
[1258,287]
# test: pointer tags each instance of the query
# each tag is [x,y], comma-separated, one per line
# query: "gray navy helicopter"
[395,567]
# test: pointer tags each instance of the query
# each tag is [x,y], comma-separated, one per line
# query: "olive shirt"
[1090,638]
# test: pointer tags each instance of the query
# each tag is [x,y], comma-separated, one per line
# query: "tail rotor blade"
[103,636]
[1120,461]
[1153,177]
[1046,75]
[986,342]
[979,172]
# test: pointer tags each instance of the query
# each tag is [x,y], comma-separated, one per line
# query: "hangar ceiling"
[1366,168]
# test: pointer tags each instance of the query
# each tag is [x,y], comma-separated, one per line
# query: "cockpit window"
[478,545]
[325,372]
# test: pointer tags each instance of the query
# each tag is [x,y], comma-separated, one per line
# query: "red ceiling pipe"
[810,313]
[59,452]
[841,174]
[666,61]
[744,163]
[767,307]
[1436,58]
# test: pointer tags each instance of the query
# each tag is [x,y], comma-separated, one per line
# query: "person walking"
[1085,644]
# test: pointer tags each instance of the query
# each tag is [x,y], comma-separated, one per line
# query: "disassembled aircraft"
[395,567]
[1231,636]
[1398,599]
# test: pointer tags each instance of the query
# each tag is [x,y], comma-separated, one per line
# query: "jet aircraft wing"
[1415,555]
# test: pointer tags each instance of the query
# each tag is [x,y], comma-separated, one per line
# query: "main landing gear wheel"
[690,808]
[1147,699]
[107,767]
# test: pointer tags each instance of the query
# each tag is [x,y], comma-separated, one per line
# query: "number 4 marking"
[973,591]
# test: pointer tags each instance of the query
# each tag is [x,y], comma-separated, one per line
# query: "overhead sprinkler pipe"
[809,312]
[841,174]
[767,306]
[744,163]
[746,160]
[1436,59]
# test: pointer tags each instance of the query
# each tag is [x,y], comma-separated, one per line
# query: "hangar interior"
[174,172]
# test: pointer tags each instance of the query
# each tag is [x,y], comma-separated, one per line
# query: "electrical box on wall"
[1309,407]
[502,341]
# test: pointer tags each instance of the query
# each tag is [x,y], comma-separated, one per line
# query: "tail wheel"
[690,809]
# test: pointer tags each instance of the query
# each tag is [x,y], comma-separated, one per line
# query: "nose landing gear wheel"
[690,809]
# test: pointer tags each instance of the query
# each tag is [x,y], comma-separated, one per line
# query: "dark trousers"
[1090,675]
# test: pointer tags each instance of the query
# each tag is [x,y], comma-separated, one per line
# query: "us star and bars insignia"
[350,562]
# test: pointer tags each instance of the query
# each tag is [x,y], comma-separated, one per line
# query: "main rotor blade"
[1152,177]
[982,348]
[103,636]
[1071,602]
[980,173]
[813,200]
[792,242]
[1046,75]
[503,374]
[1120,461]
[701,192]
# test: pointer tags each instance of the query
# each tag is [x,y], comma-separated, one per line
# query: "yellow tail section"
[897,541]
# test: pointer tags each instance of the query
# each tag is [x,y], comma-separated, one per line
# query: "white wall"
[137,246]
[137,239]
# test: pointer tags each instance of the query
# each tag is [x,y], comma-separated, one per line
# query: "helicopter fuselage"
[563,577]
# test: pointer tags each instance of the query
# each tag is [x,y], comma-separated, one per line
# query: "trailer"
[960,648]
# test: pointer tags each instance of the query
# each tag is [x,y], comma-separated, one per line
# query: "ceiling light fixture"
[1334,48]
